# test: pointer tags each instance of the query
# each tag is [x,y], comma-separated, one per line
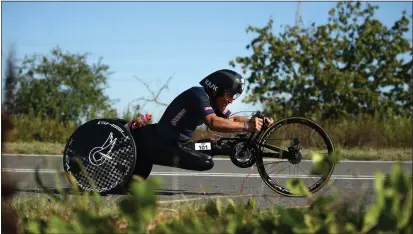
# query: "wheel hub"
[295,155]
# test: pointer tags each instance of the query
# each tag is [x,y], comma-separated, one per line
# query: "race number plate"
[203,146]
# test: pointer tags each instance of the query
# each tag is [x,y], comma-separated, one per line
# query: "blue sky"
[154,40]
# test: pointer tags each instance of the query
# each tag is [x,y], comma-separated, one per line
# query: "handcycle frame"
[293,154]
[252,142]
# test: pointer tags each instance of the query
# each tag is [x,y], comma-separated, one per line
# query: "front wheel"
[303,139]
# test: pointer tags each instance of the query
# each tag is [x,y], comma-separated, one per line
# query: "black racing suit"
[168,142]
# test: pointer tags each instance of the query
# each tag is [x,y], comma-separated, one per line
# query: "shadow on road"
[169,192]
[160,192]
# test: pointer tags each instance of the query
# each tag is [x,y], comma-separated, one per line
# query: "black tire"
[109,172]
[325,137]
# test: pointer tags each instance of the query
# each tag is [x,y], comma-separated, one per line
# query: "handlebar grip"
[259,115]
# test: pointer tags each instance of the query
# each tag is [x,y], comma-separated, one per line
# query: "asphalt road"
[352,179]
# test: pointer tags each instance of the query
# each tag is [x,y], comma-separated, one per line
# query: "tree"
[155,96]
[10,85]
[348,66]
[63,86]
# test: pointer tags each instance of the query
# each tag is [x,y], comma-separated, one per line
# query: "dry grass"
[39,204]
[363,131]
[33,148]
[385,154]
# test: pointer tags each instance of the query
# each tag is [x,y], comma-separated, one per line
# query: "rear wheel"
[100,156]
[304,139]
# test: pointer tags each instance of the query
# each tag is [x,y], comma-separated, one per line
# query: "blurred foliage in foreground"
[139,212]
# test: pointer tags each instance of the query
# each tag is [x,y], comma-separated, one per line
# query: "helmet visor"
[231,95]
[235,96]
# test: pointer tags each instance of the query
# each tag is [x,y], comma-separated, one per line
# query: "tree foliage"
[351,65]
[63,86]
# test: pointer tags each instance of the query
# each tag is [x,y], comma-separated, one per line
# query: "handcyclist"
[168,141]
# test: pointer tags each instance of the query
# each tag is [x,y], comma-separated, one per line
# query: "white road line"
[204,174]
[204,198]
[243,175]
[215,159]
[342,161]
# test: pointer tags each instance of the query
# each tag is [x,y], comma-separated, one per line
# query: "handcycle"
[110,155]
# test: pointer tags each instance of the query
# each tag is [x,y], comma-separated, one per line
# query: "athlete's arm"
[220,124]
[239,119]
[201,104]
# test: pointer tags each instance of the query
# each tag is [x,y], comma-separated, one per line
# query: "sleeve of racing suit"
[201,102]
[227,113]
[224,114]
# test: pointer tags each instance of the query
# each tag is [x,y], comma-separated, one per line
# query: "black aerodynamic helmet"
[222,81]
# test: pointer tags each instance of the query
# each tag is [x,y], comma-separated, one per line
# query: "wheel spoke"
[295,174]
[308,174]
[289,172]
[275,165]
[269,163]
[280,139]
[307,163]
[279,171]
[309,137]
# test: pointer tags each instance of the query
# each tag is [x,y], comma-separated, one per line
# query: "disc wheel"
[99,156]
[312,139]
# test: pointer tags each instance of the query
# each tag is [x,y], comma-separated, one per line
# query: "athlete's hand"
[255,124]
[269,121]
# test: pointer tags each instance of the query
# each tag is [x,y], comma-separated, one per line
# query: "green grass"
[385,154]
